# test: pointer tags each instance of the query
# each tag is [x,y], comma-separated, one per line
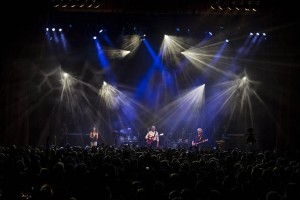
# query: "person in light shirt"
[152,137]
[199,140]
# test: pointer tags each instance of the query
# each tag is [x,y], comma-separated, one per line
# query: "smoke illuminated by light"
[116,53]
[234,99]
[171,48]
[110,95]
[160,94]
[131,43]
[186,108]
[121,105]
[67,89]
[202,60]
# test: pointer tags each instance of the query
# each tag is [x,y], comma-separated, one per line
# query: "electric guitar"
[196,143]
[151,136]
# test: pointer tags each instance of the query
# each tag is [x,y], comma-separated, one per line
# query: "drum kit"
[179,143]
[125,136]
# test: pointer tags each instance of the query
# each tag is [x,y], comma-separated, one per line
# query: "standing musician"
[94,135]
[200,139]
[152,137]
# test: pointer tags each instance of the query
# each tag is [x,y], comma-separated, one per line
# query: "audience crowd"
[140,173]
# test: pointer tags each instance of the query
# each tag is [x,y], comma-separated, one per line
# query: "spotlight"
[66,75]
[251,33]
[104,83]
[124,53]
[94,37]
[53,29]
[60,30]
[257,33]
[101,31]
[178,29]
[210,33]
[227,40]
[264,34]
[47,29]
[143,36]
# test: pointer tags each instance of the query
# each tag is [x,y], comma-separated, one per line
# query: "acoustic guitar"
[151,136]
[196,143]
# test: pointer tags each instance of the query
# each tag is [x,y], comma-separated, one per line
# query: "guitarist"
[152,137]
[200,139]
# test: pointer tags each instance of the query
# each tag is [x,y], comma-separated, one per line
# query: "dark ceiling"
[161,7]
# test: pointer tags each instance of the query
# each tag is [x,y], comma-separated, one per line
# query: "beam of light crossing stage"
[63,41]
[144,85]
[196,60]
[116,53]
[104,62]
[171,49]
[186,108]
[122,105]
[131,43]
[234,98]
[102,58]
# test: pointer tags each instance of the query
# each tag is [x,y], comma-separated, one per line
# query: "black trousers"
[152,145]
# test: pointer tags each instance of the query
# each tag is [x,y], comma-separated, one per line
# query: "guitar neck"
[195,143]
